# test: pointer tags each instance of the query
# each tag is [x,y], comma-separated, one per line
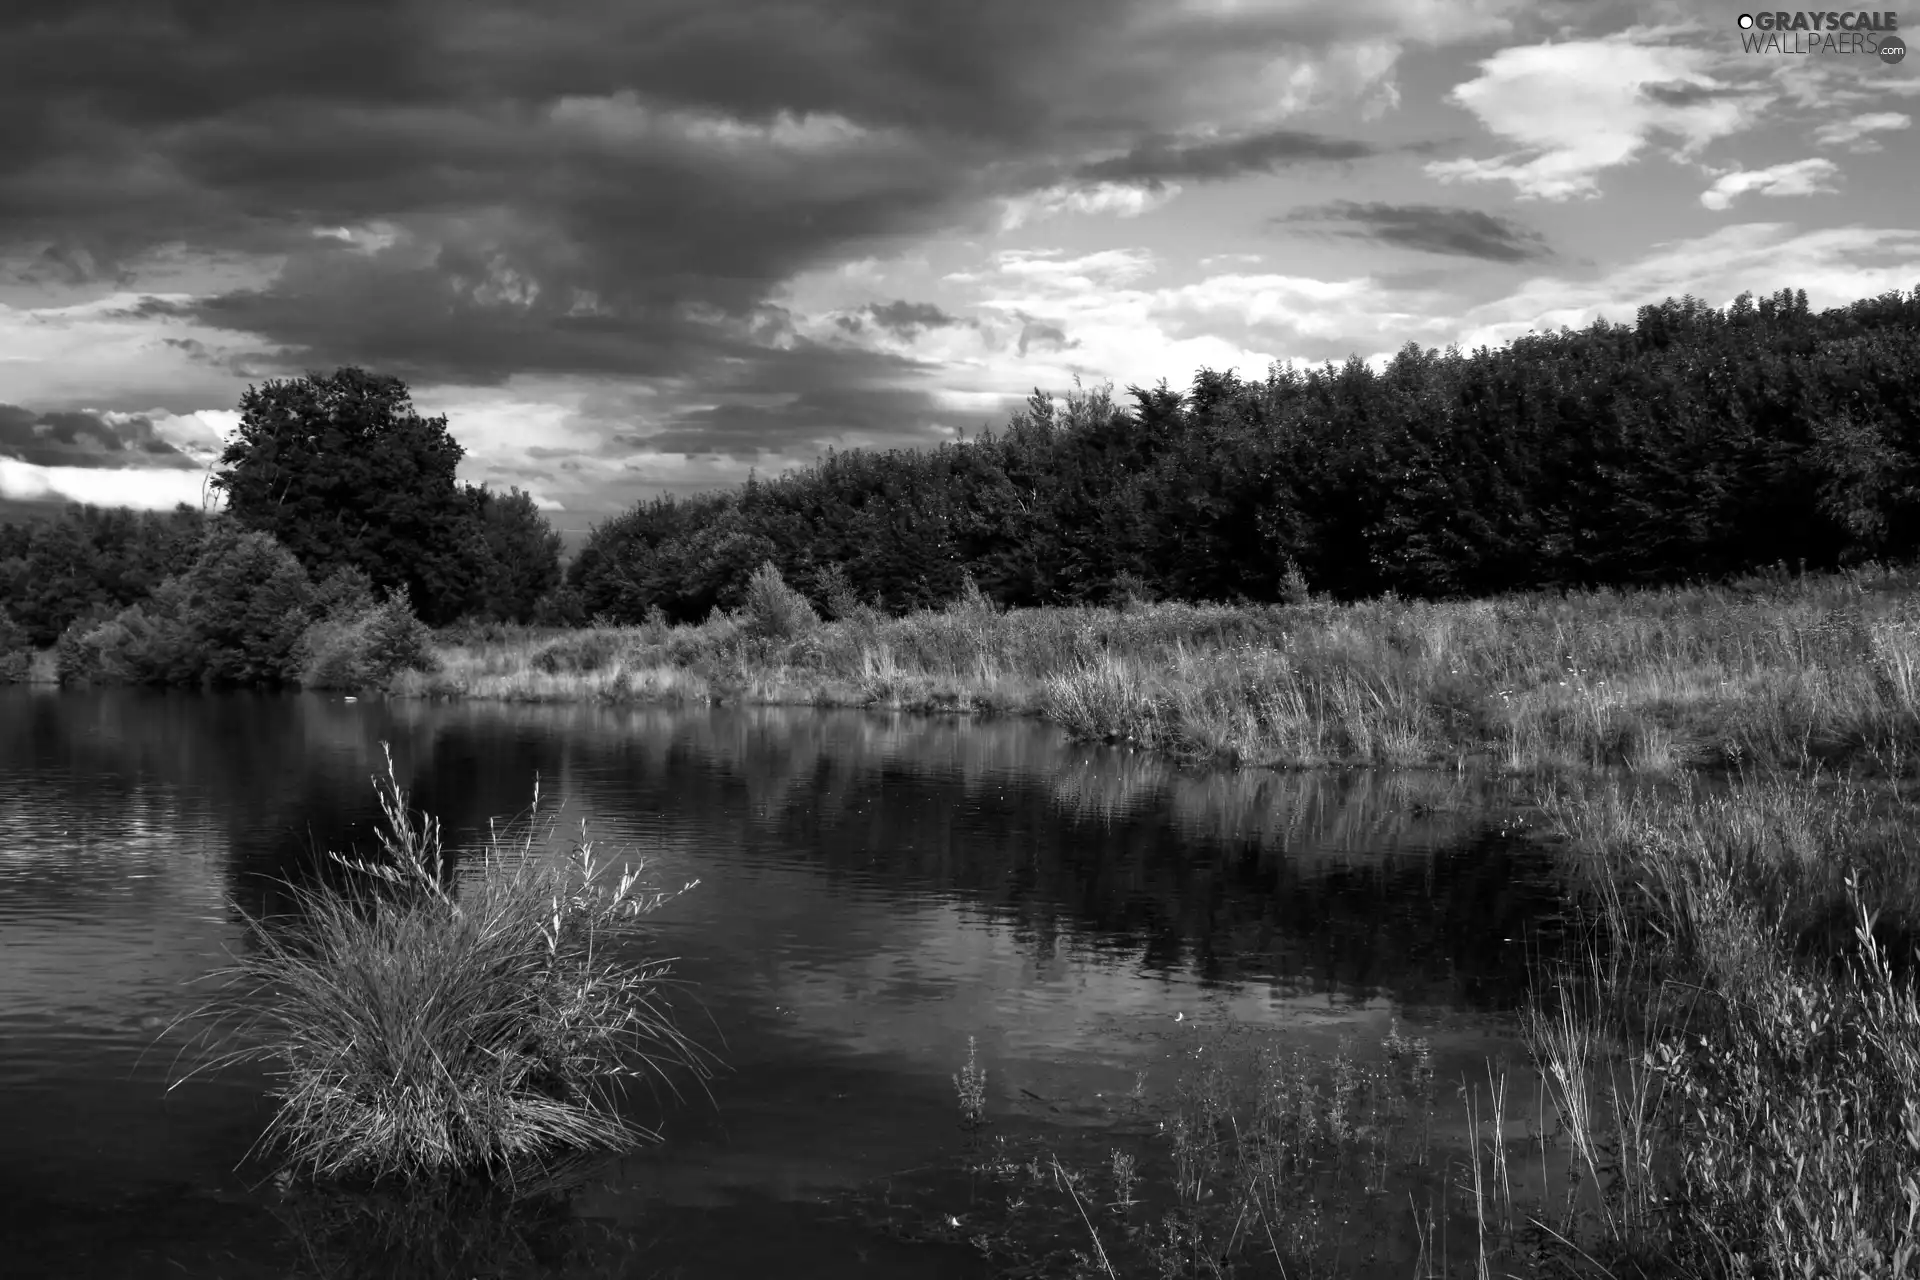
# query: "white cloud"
[200,435]
[1046,269]
[143,488]
[622,119]
[1259,62]
[368,239]
[1855,130]
[1794,178]
[1133,334]
[1297,305]
[1121,199]
[1113,328]
[1835,265]
[1578,108]
[96,353]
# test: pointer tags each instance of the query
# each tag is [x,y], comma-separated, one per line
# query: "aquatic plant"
[971,1084]
[423,1025]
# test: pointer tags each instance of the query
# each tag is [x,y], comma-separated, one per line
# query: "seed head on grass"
[421,1029]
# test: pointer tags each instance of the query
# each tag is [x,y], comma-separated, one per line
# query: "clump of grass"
[422,1026]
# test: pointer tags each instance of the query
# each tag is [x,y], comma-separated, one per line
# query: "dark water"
[874,890]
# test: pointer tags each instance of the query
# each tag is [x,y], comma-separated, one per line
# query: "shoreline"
[1794,674]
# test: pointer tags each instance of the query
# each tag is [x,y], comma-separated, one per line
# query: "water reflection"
[874,890]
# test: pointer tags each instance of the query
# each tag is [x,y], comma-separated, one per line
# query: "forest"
[1696,442]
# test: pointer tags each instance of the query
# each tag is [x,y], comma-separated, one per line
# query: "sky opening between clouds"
[632,248]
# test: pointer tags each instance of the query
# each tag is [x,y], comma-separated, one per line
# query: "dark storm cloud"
[1213,160]
[902,319]
[591,188]
[1466,233]
[82,439]
[806,422]
[1038,333]
[905,318]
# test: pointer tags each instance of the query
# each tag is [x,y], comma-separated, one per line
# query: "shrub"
[560,607]
[246,603]
[396,639]
[580,653]
[654,630]
[1129,591]
[688,645]
[135,647]
[421,1028]
[366,649]
[835,588]
[971,602]
[773,610]
[69,656]
[236,616]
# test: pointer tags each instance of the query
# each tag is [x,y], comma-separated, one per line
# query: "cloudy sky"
[634,246]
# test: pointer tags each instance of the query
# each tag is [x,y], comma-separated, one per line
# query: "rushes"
[1819,669]
[423,1028]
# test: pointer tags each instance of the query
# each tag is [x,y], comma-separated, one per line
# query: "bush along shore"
[428,1028]
[1772,669]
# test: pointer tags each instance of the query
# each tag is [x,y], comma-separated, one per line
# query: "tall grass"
[423,1026]
[1738,1060]
[1770,670]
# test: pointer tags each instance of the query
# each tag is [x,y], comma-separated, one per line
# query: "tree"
[342,471]
[522,561]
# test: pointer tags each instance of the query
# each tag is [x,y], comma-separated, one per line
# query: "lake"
[874,889]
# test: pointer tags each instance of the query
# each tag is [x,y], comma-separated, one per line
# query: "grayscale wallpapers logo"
[1804,32]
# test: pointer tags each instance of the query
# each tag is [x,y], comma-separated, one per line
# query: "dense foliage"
[16,657]
[344,472]
[90,562]
[1695,441]
[245,613]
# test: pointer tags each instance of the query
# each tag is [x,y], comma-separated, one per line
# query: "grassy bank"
[1771,671]
[1740,1054]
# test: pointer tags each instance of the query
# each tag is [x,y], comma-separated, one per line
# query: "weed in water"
[971,1084]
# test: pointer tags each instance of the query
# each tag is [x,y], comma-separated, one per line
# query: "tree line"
[1694,442]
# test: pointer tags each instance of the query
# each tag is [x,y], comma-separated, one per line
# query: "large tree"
[343,472]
